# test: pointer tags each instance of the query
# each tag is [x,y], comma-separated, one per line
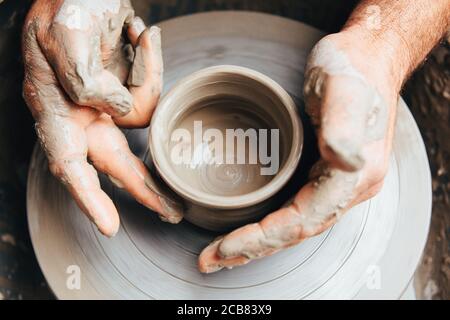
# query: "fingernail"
[113,234]
[155,36]
[139,25]
[172,211]
[210,268]
[109,234]
[155,31]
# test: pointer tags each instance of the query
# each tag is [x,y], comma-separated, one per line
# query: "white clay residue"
[77,14]
[338,64]
[365,115]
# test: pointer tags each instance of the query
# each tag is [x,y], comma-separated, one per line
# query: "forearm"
[401,31]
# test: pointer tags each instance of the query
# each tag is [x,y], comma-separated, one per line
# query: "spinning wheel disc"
[149,259]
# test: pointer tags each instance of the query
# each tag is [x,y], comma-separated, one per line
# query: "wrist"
[386,54]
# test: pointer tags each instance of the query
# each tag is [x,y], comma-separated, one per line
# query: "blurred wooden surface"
[427,93]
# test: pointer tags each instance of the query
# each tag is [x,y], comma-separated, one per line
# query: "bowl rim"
[205,199]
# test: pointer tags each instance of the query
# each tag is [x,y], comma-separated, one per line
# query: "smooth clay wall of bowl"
[221,195]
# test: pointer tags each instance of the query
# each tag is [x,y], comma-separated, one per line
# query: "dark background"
[427,93]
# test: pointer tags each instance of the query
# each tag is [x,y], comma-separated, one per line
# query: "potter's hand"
[351,89]
[75,69]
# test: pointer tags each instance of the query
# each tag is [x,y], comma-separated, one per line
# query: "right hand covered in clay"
[76,66]
[352,85]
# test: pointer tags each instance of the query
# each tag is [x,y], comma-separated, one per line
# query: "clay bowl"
[227,177]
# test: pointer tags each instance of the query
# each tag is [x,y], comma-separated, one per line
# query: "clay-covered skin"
[77,65]
[352,84]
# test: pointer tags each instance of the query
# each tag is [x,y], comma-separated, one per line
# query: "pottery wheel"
[371,253]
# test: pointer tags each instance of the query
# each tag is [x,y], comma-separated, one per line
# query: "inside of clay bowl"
[226,137]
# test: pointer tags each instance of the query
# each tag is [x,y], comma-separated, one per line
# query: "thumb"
[346,109]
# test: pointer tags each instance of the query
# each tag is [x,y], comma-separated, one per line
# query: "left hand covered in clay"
[351,90]
[83,80]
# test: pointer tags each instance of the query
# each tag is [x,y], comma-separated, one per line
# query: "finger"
[135,29]
[343,122]
[109,152]
[314,209]
[66,147]
[145,80]
[77,58]
[60,128]
[210,261]
[348,111]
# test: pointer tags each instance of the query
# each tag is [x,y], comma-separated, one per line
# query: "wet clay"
[221,178]
[322,202]
[138,71]
[226,193]
[89,36]
[76,14]
[365,122]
